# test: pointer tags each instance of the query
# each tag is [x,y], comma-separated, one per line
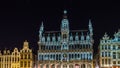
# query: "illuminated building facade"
[26,56]
[5,59]
[16,59]
[65,48]
[110,51]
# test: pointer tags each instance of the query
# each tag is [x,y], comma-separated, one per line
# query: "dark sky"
[20,19]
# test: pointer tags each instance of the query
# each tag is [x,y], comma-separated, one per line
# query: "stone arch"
[89,66]
[58,66]
[53,66]
[77,66]
[65,66]
[83,66]
[71,66]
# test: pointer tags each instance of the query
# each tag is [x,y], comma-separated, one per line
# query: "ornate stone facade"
[110,51]
[16,59]
[66,48]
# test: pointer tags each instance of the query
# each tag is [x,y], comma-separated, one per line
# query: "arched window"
[47,66]
[29,64]
[71,66]
[58,66]
[75,56]
[56,56]
[65,66]
[25,56]
[53,66]
[89,66]
[83,66]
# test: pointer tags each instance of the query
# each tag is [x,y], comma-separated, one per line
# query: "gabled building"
[26,56]
[110,51]
[17,59]
[65,48]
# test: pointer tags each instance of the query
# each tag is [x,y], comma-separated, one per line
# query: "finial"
[65,11]
[90,22]
[105,34]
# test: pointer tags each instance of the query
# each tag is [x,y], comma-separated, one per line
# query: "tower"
[65,27]
[65,31]
[65,36]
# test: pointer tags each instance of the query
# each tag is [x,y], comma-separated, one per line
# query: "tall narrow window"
[102,61]
[114,55]
[114,47]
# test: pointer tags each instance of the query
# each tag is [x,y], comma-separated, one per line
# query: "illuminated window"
[21,56]
[25,64]
[28,63]
[29,56]
[21,64]
[25,56]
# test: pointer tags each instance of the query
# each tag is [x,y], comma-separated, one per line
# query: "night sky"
[20,19]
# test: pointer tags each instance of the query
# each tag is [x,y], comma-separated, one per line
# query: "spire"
[90,22]
[41,31]
[105,36]
[65,14]
[90,27]
[42,26]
